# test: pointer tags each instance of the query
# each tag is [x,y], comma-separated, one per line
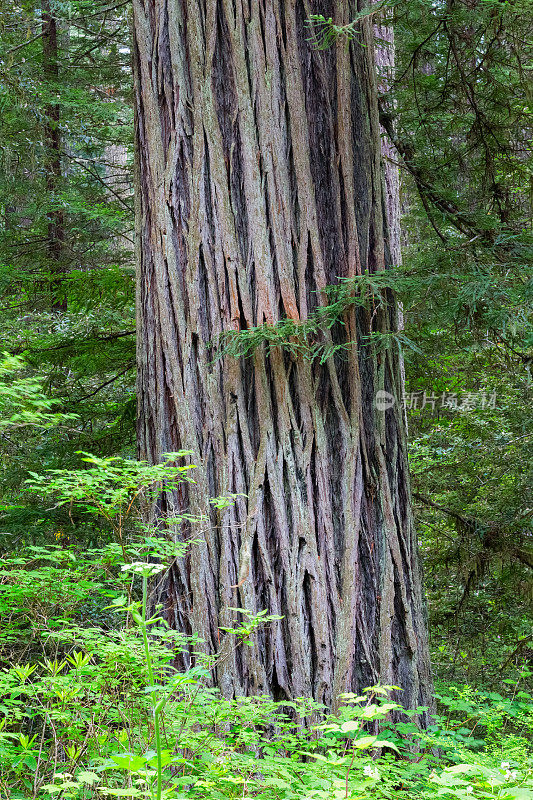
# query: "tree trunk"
[52,140]
[384,57]
[385,64]
[260,184]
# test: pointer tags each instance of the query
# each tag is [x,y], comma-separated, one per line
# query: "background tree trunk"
[261,183]
[384,53]
[52,141]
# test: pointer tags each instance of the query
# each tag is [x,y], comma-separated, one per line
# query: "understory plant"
[92,706]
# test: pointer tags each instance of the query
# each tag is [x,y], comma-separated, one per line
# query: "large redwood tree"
[260,183]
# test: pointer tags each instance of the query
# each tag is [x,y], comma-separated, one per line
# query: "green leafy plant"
[325,32]
[113,488]
[23,402]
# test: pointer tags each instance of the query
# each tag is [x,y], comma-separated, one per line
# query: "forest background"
[459,114]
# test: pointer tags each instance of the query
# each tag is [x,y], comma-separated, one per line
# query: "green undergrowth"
[92,707]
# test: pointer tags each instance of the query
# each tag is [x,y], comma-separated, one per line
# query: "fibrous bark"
[261,183]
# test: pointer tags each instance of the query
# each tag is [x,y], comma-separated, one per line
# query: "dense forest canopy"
[255,259]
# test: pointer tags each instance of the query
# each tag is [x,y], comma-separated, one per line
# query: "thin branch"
[101,180]
[107,338]
[27,42]
[103,385]
[468,523]
[104,10]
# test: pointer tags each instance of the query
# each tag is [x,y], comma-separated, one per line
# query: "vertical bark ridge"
[260,184]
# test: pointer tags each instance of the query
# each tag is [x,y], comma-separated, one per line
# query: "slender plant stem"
[153,694]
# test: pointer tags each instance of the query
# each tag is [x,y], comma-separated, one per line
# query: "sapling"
[139,616]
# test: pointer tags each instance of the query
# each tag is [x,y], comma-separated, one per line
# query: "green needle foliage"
[310,339]
[66,224]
